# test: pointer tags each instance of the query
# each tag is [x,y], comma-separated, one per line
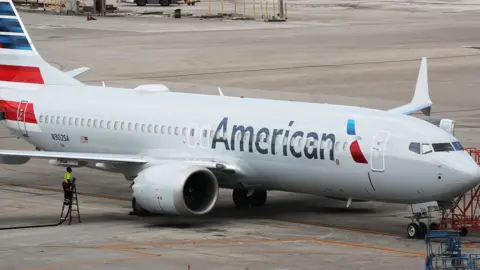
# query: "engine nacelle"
[446,124]
[180,189]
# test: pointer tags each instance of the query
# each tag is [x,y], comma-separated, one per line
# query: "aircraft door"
[377,158]
[21,117]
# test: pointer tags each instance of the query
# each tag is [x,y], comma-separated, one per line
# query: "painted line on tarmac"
[335,227]
[90,263]
[263,241]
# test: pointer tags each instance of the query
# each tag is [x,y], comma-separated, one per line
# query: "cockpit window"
[457,146]
[415,147]
[442,147]
[426,148]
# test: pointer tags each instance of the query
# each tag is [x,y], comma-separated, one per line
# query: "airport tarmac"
[367,57]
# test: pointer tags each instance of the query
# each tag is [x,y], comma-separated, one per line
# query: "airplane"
[180,148]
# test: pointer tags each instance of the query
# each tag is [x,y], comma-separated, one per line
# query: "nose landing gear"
[417,230]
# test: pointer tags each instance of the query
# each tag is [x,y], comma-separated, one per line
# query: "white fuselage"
[158,124]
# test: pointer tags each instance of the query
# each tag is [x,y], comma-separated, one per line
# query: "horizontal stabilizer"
[421,98]
[75,72]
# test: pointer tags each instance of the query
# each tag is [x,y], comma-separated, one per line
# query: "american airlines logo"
[311,145]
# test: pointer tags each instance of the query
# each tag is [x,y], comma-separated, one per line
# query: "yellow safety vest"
[67,177]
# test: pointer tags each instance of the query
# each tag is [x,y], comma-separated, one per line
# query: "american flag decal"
[84,139]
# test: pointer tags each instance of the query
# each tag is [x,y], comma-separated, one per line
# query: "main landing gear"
[244,198]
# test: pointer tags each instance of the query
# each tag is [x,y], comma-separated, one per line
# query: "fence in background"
[251,9]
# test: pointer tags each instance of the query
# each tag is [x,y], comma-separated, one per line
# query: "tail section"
[19,60]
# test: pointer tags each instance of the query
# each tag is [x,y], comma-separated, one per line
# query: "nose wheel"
[417,230]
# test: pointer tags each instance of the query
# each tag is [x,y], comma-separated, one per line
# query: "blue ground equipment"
[448,254]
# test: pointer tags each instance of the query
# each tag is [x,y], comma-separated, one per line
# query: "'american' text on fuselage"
[313,148]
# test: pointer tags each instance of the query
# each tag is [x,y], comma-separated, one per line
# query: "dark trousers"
[66,190]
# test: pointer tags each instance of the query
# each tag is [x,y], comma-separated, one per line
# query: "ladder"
[72,207]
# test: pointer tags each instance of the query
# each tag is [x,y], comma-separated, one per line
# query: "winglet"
[421,99]
[75,72]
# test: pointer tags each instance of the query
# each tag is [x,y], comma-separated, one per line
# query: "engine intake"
[446,124]
[180,189]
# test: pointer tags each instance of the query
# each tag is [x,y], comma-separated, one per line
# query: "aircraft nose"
[468,171]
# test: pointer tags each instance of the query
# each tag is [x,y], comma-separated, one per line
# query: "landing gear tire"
[413,230]
[423,231]
[137,210]
[433,226]
[242,199]
[463,231]
[258,198]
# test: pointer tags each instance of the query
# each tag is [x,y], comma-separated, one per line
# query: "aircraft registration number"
[60,137]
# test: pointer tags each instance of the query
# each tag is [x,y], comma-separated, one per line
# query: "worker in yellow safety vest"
[67,184]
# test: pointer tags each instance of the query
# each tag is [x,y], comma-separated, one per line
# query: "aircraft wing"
[22,156]
[421,99]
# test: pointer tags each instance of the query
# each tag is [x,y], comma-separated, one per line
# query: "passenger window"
[137,127]
[115,126]
[212,133]
[129,126]
[101,124]
[184,131]
[95,122]
[442,147]
[70,121]
[41,118]
[150,128]
[345,145]
[169,130]
[163,129]
[109,124]
[205,133]
[143,127]
[64,121]
[46,119]
[155,129]
[76,121]
[89,122]
[426,148]
[83,122]
[329,145]
[122,126]
[337,146]
[414,147]
[58,120]
[192,132]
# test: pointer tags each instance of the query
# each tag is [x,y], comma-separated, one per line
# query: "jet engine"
[178,189]
[446,124]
